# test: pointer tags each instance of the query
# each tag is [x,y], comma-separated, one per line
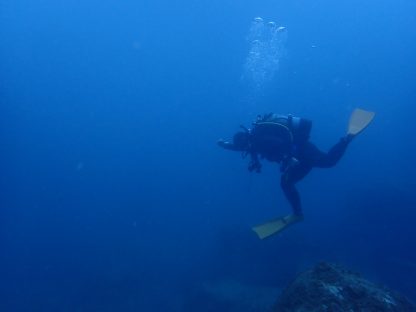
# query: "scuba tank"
[275,136]
[292,129]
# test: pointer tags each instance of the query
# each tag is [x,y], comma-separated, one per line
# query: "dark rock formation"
[329,287]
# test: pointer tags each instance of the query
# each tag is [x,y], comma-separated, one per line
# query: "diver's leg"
[288,180]
[317,158]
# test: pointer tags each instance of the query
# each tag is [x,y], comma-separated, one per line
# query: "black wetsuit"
[296,160]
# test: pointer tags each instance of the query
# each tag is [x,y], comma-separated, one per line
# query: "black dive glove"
[254,165]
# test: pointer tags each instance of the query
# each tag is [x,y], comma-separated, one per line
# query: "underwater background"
[114,194]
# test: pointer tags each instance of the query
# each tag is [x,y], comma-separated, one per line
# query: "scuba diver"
[285,140]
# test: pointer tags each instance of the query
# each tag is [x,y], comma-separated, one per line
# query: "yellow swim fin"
[275,226]
[359,120]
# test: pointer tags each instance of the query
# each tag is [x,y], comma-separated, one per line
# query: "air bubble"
[266,48]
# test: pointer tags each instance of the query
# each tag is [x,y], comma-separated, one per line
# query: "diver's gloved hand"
[254,165]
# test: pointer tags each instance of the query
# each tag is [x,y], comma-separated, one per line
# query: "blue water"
[114,194]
